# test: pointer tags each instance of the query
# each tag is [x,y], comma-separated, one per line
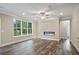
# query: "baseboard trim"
[13,42]
[74,47]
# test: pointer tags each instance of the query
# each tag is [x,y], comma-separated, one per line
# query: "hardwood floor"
[39,47]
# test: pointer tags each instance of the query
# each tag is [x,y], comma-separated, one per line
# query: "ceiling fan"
[43,13]
[48,12]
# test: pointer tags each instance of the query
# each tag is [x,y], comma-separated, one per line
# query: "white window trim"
[30,28]
[21,29]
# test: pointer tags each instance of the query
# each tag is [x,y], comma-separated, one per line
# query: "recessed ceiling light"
[46,13]
[61,13]
[42,17]
[23,13]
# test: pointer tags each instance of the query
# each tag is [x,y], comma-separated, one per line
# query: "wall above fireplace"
[50,28]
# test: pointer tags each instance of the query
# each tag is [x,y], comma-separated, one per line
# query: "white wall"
[7,31]
[49,25]
[75,28]
[0,30]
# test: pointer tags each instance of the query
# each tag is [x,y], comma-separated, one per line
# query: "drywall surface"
[49,26]
[0,30]
[75,28]
[7,31]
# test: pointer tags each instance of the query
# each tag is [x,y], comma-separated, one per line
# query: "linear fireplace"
[48,33]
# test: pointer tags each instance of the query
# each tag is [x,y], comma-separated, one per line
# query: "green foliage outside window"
[17,28]
[22,28]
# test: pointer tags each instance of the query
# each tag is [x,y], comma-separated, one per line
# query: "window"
[17,28]
[22,27]
[29,28]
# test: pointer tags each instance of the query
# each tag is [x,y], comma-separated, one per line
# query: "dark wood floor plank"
[39,47]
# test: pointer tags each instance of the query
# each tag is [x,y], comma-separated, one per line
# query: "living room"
[39,28]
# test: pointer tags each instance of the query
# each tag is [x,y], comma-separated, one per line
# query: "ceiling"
[39,10]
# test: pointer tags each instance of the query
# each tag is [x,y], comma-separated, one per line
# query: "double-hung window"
[24,27]
[29,28]
[17,28]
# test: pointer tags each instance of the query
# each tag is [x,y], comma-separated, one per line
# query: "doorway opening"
[65,29]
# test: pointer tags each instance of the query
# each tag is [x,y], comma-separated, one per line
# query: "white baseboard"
[9,43]
[75,45]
